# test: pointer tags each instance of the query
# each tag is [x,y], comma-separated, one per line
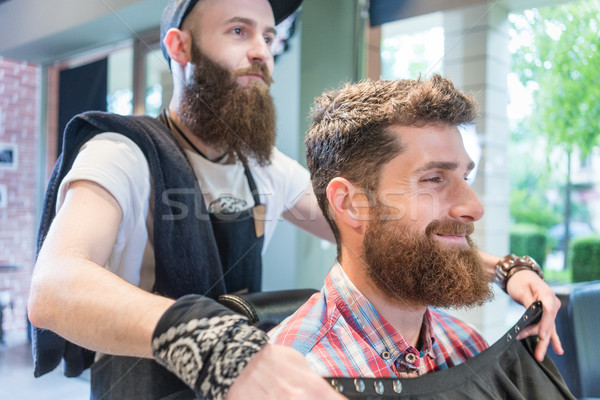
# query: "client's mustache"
[450,228]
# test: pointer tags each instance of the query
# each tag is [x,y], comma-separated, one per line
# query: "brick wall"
[19,126]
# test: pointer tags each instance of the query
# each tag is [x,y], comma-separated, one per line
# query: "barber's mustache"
[450,228]
[255,68]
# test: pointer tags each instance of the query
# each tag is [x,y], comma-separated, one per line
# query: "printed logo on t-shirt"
[227,204]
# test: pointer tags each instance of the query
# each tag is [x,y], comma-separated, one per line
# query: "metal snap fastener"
[517,328]
[359,385]
[379,388]
[508,337]
[397,386]
[337,386]
[525,317]
[385,355]
[410,358]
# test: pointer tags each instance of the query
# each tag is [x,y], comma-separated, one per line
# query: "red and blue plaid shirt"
[342,335]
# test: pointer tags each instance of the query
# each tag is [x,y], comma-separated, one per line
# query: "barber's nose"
[259,51]
[466,206]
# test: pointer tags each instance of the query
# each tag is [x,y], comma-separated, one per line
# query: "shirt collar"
[359,313]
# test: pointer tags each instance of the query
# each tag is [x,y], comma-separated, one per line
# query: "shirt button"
[385,355]
[410,358]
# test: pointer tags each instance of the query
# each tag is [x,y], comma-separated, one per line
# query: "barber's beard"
[417,270]
[227,116]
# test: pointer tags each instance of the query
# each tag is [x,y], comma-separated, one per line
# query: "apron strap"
[252,185]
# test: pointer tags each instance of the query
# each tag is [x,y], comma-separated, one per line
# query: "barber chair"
[267,307]
[578,326]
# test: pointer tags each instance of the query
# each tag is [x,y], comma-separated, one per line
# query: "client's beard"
[226,115]
[417,270]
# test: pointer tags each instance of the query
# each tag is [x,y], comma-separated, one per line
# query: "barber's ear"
[348,203]
[179,45]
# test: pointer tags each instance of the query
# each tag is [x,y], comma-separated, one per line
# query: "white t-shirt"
[117,164]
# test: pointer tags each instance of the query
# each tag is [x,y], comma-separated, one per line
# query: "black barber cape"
[179,241]
[505,371]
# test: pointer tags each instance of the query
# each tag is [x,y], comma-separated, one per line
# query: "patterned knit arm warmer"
[205,344]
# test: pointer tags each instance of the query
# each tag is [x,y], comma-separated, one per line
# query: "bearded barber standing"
[150,210]
[142,211]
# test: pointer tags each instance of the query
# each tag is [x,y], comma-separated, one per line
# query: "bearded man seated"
[390,172]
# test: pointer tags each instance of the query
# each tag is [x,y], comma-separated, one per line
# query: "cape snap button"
[359,384]
[337,386]
[379,388]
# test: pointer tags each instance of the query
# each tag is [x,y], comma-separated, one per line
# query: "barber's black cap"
[176,12]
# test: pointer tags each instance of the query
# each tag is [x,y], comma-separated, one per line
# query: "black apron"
[505,371]
[240,239]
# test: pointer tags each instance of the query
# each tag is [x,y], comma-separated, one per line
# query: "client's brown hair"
[349,138]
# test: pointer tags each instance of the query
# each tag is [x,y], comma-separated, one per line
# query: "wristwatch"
[511,264]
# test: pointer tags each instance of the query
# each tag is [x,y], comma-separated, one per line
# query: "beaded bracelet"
[511,264]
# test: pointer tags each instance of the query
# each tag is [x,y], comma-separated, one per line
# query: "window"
[119,98]
[157,84]
[411,47]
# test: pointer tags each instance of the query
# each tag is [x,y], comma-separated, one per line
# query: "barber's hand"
[278,372]
[525,287]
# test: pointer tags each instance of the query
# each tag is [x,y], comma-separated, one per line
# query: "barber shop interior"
[402,195]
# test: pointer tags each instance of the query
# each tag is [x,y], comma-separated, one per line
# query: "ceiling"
[44,31]
[50,30]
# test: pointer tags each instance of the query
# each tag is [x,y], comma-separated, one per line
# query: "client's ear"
[348,203]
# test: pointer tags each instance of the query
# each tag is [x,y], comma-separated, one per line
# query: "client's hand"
[525,287]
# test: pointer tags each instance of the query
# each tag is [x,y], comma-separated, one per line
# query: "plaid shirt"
[342,335]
